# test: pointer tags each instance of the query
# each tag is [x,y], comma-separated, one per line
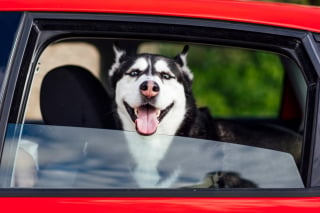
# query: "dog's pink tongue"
[146,122]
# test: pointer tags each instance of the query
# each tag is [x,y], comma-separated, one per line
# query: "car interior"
[70,88]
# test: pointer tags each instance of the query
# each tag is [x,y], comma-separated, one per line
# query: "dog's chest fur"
[147,153]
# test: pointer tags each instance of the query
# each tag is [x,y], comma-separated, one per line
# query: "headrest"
[72,96]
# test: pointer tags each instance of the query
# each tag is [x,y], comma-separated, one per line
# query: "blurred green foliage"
[306,2]
[234,82]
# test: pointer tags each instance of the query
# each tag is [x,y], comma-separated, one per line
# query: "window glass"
[100,158]
[9,22]
[195,116]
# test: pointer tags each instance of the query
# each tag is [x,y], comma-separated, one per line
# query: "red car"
[171,106]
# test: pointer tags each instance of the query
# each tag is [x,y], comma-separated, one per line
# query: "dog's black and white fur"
[153,82]
[153,96]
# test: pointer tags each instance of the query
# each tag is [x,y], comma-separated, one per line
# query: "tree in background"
[233,82]
[306,2]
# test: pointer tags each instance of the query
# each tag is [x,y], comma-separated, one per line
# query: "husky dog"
[153,93]
[153,97]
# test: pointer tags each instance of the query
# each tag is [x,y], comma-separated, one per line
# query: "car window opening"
[221,114]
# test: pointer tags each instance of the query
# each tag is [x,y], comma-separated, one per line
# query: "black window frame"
[40,29]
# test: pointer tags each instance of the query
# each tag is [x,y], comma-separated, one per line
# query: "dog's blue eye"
[165,76]
[134,73]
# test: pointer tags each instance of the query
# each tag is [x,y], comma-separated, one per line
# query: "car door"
[62,156]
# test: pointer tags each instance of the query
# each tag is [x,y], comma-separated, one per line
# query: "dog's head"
[151,91]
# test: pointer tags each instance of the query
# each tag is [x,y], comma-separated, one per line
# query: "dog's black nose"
[149,89]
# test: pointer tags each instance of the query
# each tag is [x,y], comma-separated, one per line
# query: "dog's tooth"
[158,113]
[136,111]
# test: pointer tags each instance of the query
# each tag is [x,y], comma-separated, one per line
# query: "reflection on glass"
[96,158]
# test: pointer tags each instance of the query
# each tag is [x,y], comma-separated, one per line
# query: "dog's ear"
[181,59]
[119,55]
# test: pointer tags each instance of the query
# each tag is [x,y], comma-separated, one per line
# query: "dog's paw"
[222,179]
[228,180]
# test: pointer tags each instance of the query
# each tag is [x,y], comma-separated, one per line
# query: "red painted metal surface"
[276,14]
[282,15]
[142,205]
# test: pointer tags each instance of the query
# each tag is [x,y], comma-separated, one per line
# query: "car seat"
[72,96]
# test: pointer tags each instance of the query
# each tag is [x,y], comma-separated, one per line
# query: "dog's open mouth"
[147,117]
